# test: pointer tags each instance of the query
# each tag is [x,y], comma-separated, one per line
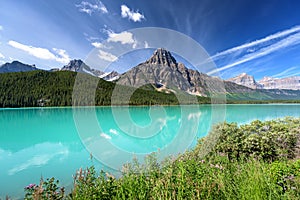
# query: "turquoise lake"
[55,142]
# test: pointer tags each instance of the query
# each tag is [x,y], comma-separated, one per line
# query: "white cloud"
[130,14]
[1,28]
[123,37]
[257,42]
[2,56]
[89,8]
[42,53]
[107,56]
[146,45]
[98,45]
[64,57]
[289,41]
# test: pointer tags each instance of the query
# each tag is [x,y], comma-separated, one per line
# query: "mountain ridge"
[287,83]
[16,66]
[165,74]
[162,70]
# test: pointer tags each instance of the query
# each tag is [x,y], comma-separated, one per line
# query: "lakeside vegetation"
[259,160]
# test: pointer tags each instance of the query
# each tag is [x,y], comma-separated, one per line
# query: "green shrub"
[270,140]
[252,161]
[45,190]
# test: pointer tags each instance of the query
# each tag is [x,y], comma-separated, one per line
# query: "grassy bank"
[254,161]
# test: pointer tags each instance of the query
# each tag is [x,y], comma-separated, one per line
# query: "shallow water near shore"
[52,142]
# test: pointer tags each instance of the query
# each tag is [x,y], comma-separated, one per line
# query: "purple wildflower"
[30,186]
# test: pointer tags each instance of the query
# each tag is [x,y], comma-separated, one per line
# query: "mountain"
[80,66]
[165,73]
[246,80]
[44,88]
[110,76]
[16,66]
[267,83]
[291,83]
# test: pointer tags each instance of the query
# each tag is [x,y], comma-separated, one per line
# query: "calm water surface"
[48,142]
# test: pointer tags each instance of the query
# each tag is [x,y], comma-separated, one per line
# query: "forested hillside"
[42,88]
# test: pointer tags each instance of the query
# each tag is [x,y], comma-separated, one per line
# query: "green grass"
[236,168]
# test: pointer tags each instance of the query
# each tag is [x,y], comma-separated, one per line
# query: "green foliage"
[241,167]
[45,190]
[42,88]
[270,140]
[287,176]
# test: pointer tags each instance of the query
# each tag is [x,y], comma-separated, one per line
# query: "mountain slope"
[246,80]
[16,66]
[80,66]
[288,83]
[291,83]
[162,70]
[43,88]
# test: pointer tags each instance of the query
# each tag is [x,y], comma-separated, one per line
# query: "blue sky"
[260,37]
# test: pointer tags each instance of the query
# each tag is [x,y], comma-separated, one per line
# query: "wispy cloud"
[131,14]
[89,8]
[1,28]
[292,71]
[248,46]
[259,48]
[35,156]
[58,55]
[107,56]
[1,56]
[146,45]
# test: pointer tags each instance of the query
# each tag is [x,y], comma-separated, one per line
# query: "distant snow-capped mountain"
[246,80]
[291,83]
[80,66]
[288,83]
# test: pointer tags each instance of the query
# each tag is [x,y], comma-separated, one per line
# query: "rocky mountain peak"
[267,78]
[73,65]
[162,57]
[245,80]
[290,83]
[16,66]
[165,74]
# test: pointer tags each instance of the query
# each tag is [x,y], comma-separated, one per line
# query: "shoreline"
[107,106]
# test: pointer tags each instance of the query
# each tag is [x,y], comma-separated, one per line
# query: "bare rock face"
[163,70]
[246,80]
[80,66]
[110,76]
[16,66]
[290,83]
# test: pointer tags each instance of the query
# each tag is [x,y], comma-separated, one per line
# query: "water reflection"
[45,142]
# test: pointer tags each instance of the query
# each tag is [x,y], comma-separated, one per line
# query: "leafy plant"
[45,190]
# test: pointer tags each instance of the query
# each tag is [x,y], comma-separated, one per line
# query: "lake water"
[49,142]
